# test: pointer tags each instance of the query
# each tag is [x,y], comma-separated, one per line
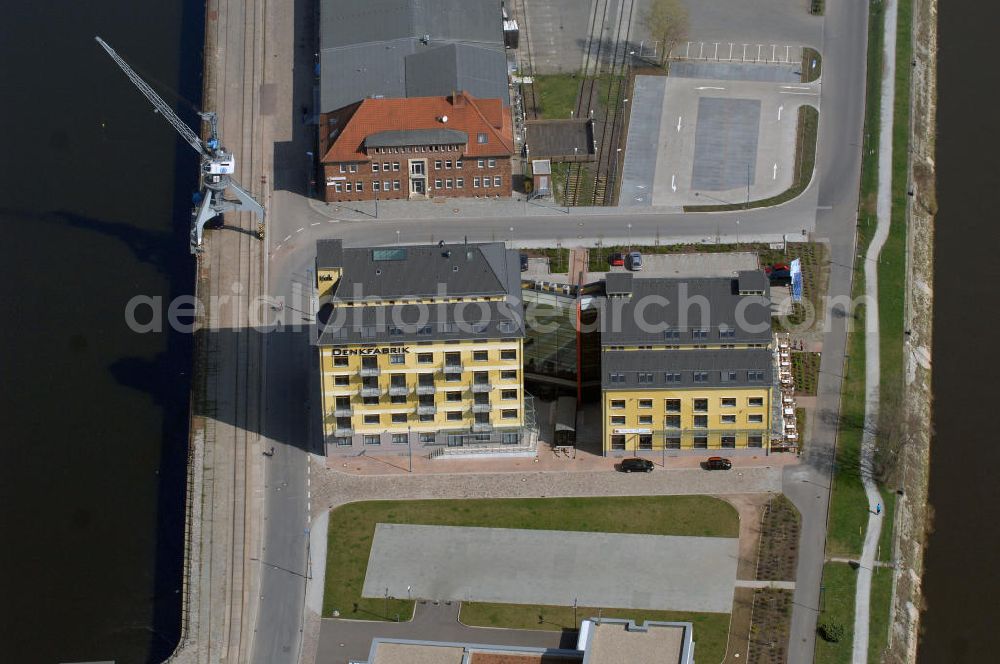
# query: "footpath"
[883,209]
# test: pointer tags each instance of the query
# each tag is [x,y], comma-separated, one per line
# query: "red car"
[616,260]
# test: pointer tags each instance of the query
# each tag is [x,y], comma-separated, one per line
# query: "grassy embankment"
[848,505]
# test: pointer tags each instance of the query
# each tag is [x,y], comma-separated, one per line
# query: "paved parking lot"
[709,131]
[515,566]
[754,21]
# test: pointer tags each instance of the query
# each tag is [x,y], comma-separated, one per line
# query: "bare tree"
[667,22]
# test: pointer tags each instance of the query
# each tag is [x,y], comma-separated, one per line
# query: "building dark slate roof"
[683,312]
[677,369]
[410,48]
[408,273]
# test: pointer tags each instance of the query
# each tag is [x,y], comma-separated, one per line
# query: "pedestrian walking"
[878,507]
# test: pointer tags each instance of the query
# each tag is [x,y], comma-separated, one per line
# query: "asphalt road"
[828,207]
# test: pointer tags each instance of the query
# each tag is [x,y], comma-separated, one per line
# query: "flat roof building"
[600,641]
[420,346]
[686,363]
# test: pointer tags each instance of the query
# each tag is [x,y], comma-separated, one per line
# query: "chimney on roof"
[458,99]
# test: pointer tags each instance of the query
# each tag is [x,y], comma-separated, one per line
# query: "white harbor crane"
[217,164]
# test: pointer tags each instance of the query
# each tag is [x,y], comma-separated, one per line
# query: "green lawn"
[837,604]
[556,95]
[352,528]
[810,73]
[878,628]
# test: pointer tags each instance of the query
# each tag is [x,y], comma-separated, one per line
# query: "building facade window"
[700,442]
[508,395]
[728,402]
[508,374]
[372,439]
[755,419]
[618,404]
[728,419]
[755,402]
[673,421]
[618,442]
[728,441]
[508,354]
[700,405]
[645,441]
[755,440]
[371,419]
[508,413]
[618,420]
[672,442]
[475,182]
[701,421]
[496,181]
[400,439]
[454,415]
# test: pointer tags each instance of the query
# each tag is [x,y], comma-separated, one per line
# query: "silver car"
[634,261]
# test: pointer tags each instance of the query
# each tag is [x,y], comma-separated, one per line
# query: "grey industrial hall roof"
[345,22]
[371,48]
[403,137]
[686,362]
[660,307]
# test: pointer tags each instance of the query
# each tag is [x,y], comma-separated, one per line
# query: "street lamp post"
[409,443]
[629,236]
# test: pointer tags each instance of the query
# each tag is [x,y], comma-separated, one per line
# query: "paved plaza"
[711,137]
[552,567]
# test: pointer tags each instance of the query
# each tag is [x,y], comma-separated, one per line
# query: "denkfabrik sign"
[370,350]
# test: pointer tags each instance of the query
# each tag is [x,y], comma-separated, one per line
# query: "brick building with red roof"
[416,147]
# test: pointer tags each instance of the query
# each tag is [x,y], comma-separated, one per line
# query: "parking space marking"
[717,54]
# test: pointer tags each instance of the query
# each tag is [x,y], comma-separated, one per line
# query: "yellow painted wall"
[658,413]
[411,368]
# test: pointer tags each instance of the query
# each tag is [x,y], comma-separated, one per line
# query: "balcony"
[371,391]
[343,412]
[482,427]
[481,407]
[479,388]
[343,432]
[370,371]
[426,389]
[453,367]
[398,390]
[426,410]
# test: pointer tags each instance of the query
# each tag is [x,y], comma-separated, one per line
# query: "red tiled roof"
[471,115]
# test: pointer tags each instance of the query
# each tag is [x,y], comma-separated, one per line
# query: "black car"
[718,463]
[636,465]
[524,262]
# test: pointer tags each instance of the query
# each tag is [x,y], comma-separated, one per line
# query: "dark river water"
[94,210]
[962,582]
